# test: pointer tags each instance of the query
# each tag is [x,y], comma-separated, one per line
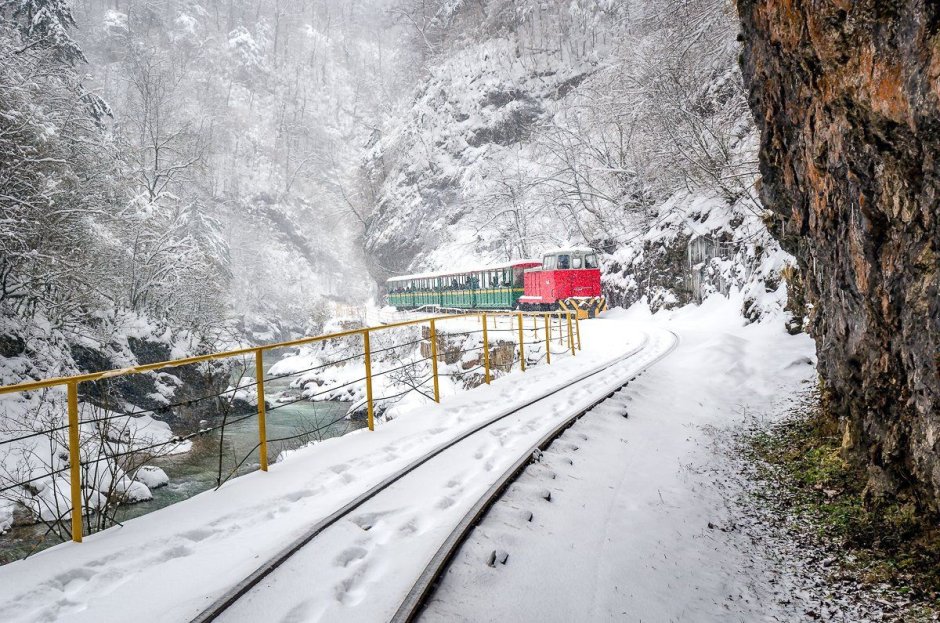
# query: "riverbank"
[207,460]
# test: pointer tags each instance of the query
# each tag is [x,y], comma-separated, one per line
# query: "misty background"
[205,174]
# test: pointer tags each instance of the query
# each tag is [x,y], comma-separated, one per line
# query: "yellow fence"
[71,383]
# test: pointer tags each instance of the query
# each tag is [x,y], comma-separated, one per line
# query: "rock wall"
[847,97]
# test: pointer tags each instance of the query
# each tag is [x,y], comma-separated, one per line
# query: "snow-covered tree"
[45,23]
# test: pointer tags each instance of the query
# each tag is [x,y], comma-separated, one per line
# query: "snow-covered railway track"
[422,590]
[278,586]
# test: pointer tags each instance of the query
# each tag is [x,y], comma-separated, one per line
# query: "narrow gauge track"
[413,604]
[424,586]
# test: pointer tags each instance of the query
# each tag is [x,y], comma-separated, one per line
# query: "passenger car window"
[564,262]
[590,261]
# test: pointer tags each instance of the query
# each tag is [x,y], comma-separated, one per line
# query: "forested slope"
[622,125]
[175,178]
[178,171]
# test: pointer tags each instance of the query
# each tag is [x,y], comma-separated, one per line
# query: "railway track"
[225,607]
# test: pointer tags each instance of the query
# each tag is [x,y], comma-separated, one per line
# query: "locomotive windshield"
[575,259]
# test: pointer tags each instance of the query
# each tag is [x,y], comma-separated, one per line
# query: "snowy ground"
[174,562]
[632,518]
[623,518]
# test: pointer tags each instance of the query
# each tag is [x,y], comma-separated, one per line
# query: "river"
[196,471]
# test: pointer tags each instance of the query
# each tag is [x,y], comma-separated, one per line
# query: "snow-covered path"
[637,527]
[173,563]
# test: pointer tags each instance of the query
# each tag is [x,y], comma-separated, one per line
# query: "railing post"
[521,344]
[368,357]
[561,331]
[577,330]
[262,427]
[437,389]
[486,351]
[75,463]
[570,334]
[548,341]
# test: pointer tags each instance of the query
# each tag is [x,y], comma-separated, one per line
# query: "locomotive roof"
[569,250]
[476,269]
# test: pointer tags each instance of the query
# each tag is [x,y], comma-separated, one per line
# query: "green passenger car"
[493,287]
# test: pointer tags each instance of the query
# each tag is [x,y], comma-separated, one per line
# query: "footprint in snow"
[349,556]
[199,534]
[348,592]
[367,520]
[296,496]
[179,551]
[71,581]
[409,528]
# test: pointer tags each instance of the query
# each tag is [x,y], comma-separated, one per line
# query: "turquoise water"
[198,470]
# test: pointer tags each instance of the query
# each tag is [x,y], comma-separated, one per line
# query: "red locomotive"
[569,279]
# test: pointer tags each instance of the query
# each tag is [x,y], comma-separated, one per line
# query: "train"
[564,280]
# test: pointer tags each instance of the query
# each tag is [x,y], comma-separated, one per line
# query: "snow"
[624,534]
[143,431]
[49,496]
[638,525]
[115,20]
[245,390]
[147,565]
[152,476]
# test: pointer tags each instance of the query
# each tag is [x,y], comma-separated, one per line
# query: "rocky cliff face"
[847,96]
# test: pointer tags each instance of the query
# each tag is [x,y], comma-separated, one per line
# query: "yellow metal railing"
[72,382]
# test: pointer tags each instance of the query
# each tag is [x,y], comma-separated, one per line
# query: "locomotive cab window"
[590,261]
[548,263]
[564,262]
[576,262]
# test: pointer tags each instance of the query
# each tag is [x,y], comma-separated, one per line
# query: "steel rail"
[222,603]
[424,588]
